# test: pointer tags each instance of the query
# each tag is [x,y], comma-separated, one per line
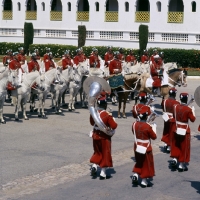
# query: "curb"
[193,77]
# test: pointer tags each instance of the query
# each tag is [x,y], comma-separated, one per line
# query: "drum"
[116,81]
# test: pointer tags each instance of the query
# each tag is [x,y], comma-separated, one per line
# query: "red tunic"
[130,58]
[102,142]
[66,62]
[46,57]
[79,58]
[154,74]
[168,133]
[144,165]
[115,64]
[121,57]
[144,58]
[94,60]
[7,59]
[14,64]
[33,66]
[21,58]
[181,149]
[108,57]
[49,64]
[136,109]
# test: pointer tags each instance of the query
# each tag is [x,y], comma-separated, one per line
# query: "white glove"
[193,110]
[152,108]
[154,126]
[108,62]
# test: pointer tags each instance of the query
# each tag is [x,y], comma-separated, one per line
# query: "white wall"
[126,23]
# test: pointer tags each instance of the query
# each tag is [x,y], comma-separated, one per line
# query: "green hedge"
[183,57]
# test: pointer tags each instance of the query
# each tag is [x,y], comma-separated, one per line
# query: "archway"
[7,5]
[143,5]
[176,6]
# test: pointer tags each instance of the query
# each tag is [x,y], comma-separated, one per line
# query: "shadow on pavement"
[195,185]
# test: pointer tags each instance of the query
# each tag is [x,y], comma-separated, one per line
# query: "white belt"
[143,141]
[181,123]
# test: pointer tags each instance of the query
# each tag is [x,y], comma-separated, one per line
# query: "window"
[158,6]
[43,6]
[97,6]
[126,7]
[18,6]
[69,6]
[193,6]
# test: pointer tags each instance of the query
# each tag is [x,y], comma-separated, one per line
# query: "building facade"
[172,23]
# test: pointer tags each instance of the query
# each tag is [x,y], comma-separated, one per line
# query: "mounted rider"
[80,57]
[155,54]
[181,150]
[95,59]
[145,57]
[37,54]
[154,71]
[115,68]
[15,64]
[109,56]
[66,60]
[46,55]
[49,63]
[8,57]
[21,56]
[121,54]
[33,64]
[130,58]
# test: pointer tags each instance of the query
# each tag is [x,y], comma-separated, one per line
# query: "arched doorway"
[31,10]
[176,11]
[83,9]
[142,11]
[56,10]
[111,14]
[7,10]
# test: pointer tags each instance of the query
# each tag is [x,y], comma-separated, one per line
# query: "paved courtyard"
[48,159]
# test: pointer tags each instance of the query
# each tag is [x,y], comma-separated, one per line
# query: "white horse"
[22,94]
[57,90]
[75,84]
[6,76]
[49,77]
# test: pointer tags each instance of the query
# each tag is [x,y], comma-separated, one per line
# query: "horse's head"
[83,68]
[13,77]
[58,74]
[177,77]
[40,81]
[126,68]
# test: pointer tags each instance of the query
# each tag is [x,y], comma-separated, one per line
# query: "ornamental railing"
[142,16]
[7,15]
[31,15]
[56,16]
[175,17]
[82,16]
[111,16]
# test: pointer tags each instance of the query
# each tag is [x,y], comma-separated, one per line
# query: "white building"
[172,23]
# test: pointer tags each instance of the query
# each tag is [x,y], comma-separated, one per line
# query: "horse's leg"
[71,91]
[18,103]
[1,111]
[124,105]
[44,96]
[63,97]
[24,101]
[120,104]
